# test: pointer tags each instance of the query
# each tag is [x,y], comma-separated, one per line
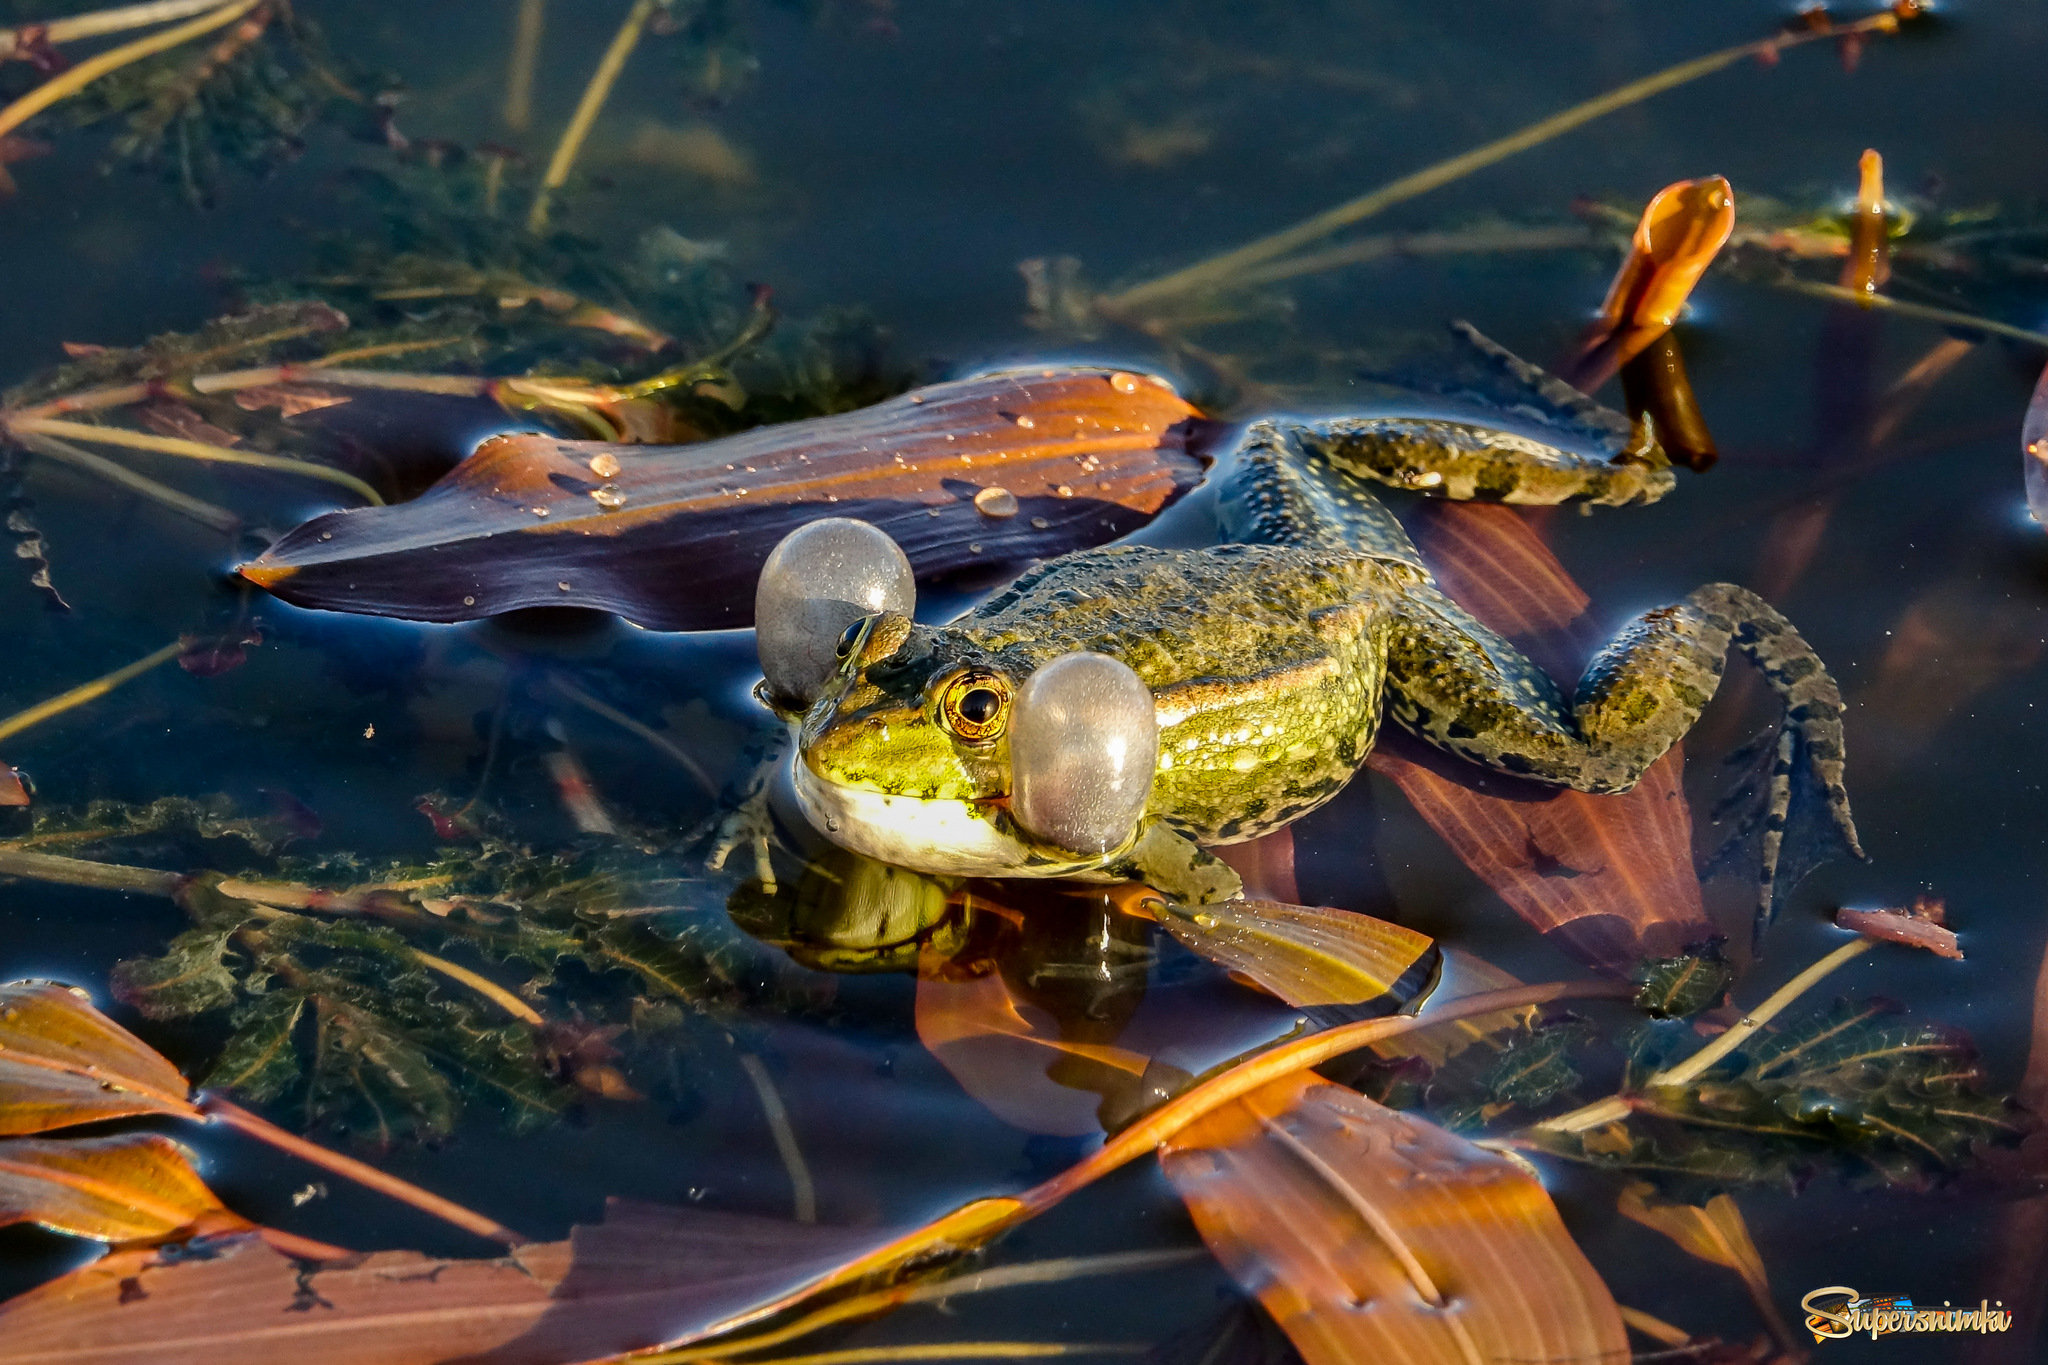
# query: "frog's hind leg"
[1307,483]
[1465,689]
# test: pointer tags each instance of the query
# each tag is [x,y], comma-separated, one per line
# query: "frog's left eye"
[974,706]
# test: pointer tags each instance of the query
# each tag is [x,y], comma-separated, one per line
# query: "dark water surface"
[903,161]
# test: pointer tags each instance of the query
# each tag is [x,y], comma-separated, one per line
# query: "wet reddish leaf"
[290,400]
[139,1187]
[1919,925]
[674,537]
[209,656]
[1374,1235]
[644,1276]
[1612,876]
[62,1062]
[169,418]
[13,789]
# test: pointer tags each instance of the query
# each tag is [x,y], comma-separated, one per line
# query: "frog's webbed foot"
[1467,690]
[743,819]
[1786,813]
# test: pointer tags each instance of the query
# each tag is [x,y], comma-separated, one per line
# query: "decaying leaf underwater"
[602,911]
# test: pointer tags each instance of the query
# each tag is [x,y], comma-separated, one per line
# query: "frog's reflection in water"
[1027,991]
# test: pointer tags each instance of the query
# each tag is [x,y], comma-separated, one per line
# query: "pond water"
[901,160]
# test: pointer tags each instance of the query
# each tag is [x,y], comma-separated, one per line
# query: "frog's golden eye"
[850,637]
[975,706]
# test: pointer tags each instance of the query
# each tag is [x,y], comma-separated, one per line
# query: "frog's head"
[907,757]
[923,747]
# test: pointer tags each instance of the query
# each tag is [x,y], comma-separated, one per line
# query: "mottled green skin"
[1266,663]
[1272,658]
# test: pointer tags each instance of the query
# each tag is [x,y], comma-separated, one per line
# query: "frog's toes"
[1792,809]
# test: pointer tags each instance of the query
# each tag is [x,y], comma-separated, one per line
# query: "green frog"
[1247,680]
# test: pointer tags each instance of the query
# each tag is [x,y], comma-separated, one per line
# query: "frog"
[1264,666]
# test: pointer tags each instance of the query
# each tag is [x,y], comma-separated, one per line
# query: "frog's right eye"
[1084,741]
[816,590]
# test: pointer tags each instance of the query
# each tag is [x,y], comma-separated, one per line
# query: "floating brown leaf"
[1612,876]
[1682,229]
[1919,925]
[674,537]
[13,790]
[139,1187]
[1715,1232]
[1309,956]
[645,1275]
[1370,1234]
[62,1062]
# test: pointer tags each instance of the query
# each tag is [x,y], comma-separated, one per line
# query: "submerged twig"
[191,450]
[99,467]
[594,96]
[86,72]
[803,1192]
[87,692]
[1227,267]
[447,1210]
[597,706]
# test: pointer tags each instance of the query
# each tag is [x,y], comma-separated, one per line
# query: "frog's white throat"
[946,838]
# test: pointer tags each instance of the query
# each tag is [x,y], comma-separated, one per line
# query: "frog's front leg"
[1178,868]
[743,818]
[1465,689]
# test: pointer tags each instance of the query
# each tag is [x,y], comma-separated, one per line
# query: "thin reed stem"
[597,706]
[447,1210]
[958,1350]
[527,27]
[100,23]
[803,1192]
[482,985]
[87,692]
[69,83]
[191,450]
[1057,1271]
[1925,312]
[99,467]
[61,871]
[1224,269]
[594,96]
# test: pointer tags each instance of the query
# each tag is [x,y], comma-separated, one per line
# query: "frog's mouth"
[944,837]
